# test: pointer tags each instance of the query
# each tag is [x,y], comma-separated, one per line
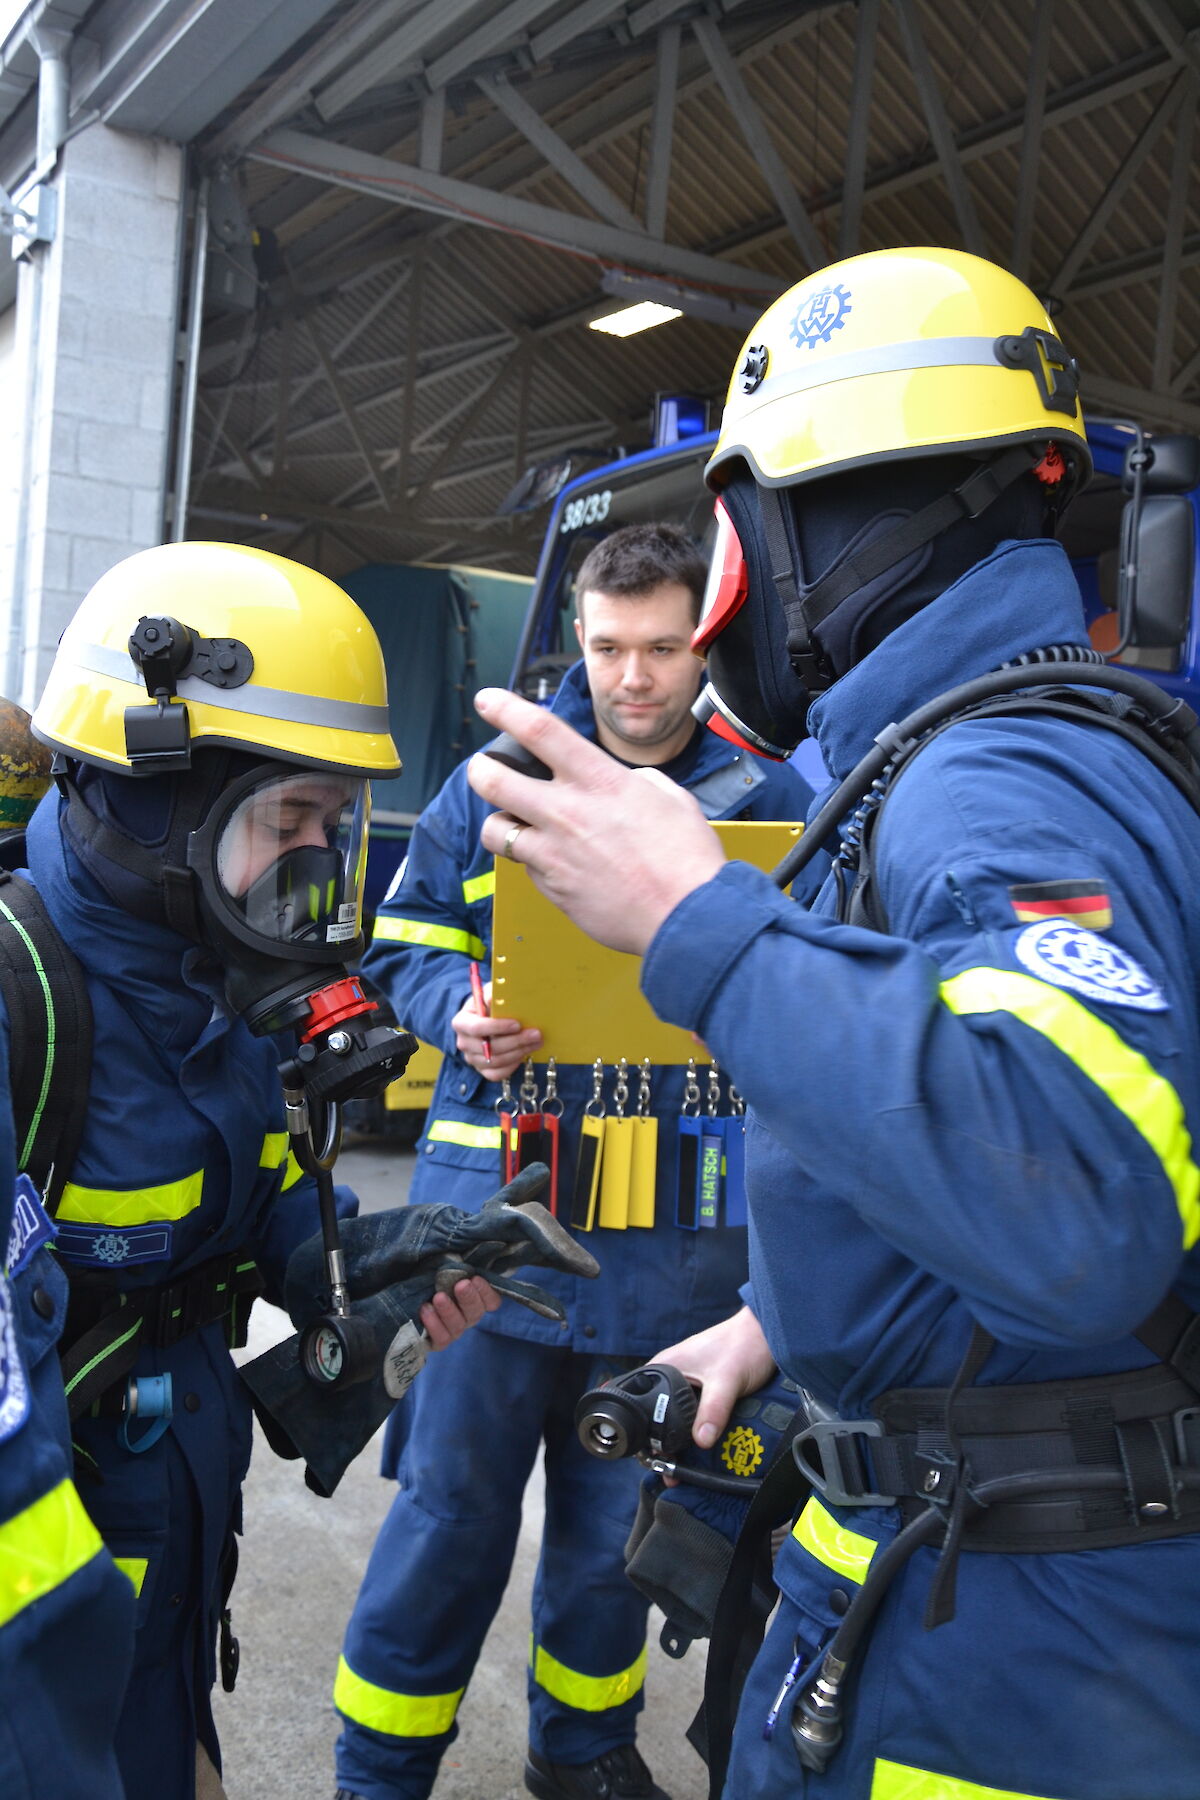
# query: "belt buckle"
[828,1436]
[1186,1426]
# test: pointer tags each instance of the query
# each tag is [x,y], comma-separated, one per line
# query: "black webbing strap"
[106,1328]
[101,1357]
[50,1020]
[175,885]
[970,498]
[743,1607]
[1172,1333]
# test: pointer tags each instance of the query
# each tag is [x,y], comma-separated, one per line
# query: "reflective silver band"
[884,359]
[259,702]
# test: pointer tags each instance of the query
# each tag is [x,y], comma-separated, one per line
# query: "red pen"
[480,1005]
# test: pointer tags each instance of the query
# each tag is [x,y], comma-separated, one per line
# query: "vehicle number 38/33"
[590,509]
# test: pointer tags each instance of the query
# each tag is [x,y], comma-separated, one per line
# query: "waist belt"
[1141,1430]
[107,1326]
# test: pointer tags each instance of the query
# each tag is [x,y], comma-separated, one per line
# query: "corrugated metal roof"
[499,347]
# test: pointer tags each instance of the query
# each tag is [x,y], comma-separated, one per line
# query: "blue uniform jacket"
[66,1611]
[183,1158]
[971,1118]
[437,916]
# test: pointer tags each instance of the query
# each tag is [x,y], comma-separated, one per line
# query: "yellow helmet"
[899,353]
[194,643]
[24,768]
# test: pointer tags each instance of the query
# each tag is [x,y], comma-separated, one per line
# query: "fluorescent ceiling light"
[639,317]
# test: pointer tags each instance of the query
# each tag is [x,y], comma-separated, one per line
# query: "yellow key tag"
[614,1176]
[587,1173]
[642,1172]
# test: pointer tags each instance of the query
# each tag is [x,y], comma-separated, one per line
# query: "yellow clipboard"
[583,998]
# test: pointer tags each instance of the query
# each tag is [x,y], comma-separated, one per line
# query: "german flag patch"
[1083,902]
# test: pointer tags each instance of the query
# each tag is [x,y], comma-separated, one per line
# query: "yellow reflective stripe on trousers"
[894,1781]
[586,1693]
[480,887]
[1122,1073]
[471,1137]
[844,1551]
[144,1206]
[42,1547]
[433,937]
[274,1150]
[135,1567]
[400,1715]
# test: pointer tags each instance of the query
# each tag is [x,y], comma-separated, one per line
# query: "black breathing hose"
[1161,706]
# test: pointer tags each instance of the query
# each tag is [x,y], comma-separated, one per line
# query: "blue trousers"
[463,1443]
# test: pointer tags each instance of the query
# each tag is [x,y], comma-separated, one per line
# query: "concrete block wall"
[98,387]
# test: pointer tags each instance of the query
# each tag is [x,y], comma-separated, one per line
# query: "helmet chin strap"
[805,612]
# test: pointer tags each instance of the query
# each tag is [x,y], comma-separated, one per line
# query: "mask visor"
[727,585]
[290,860]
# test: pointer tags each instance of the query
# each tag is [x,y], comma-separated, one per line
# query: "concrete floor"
[302,1559]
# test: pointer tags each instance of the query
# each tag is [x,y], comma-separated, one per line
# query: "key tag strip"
[586,1189]
[710,1186]
[530,1133]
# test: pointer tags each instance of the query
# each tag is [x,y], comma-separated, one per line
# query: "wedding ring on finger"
[510,838]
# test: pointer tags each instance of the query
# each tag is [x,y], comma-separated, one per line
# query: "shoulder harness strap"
[50,1029]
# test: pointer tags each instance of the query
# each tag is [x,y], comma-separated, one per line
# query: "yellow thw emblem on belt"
[742,1450]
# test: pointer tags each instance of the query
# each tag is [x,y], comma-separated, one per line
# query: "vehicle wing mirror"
[1166,554]
[1172,464]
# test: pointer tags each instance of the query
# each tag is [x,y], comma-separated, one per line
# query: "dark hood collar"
[1022,596]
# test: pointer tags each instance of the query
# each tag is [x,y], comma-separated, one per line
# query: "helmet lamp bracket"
[1046,359]
[165,652]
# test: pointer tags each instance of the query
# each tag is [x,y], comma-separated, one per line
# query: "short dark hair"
[632,562]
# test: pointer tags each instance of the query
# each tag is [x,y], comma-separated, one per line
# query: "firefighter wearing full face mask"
[215,713]
[973,1063]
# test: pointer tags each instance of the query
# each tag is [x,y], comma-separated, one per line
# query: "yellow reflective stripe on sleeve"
[135,1567]
[433,937]
[471,1137]
[400,1715]
[291,1174]
[42,1547]
[844,1551]
[1122,1073]
[274,1150]
[144,1206]
[894,1781]
[480,887]
[587,1693]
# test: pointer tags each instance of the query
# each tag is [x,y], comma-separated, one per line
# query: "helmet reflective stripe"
[259,702]
[884,359]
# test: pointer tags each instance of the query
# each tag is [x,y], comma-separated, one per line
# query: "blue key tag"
[687,1159]
[735,1161]
[14,1386]
[712,1157]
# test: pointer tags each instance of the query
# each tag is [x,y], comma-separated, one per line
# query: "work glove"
[395,1261]
[681,1544]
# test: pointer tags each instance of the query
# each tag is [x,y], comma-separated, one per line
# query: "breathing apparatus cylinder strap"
[50,1018]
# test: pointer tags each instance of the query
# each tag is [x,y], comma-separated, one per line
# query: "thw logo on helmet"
[819,316]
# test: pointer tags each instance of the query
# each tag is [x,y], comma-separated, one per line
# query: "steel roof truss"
[662,128]
[546,141]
